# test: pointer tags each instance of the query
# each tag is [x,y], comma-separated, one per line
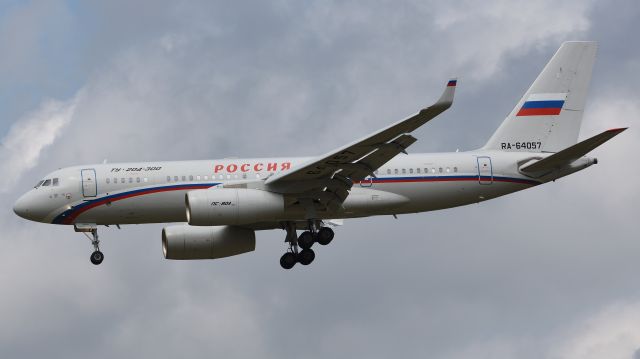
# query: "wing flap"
[382,155]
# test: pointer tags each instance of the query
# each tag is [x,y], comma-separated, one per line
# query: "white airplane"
[225,201]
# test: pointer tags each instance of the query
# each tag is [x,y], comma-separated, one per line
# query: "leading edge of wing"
[357,149]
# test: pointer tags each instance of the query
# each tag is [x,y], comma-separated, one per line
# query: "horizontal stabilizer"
[571,154]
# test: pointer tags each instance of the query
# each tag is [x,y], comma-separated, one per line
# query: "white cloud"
[613,333]
[21,148]
[613,110]
[483,39]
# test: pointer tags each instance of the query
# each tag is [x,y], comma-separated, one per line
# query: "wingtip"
[617,130]
[446,99]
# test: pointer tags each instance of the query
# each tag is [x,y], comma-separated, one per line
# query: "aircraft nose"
[21,208]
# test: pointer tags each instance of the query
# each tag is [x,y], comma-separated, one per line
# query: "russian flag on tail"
[543,104]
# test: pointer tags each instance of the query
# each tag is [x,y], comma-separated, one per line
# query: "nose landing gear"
[96,257]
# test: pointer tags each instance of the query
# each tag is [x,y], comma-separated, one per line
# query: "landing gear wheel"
[325,235]
[305,241]
[288,260]
[96,257]
[306,256]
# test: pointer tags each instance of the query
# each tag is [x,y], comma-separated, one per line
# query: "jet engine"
[187,242]
[231,206]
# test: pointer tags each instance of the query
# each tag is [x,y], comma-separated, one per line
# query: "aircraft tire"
[306,240]
[306,256]
[325,236]
[288,260]
[96,257]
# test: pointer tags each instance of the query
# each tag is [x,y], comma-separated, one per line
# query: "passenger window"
[130,179]
[410,170]
[404,170]
[46,182]
[137,179]
[190,177]
[440,169]
[168,178]
[417,170]
[448,170]
[175,178]
[55,182]
[115,180]
[108,180]
[235,176]
[433,170]
[206,178]
[244,176]
[146,180]
[395,170]
[228,176]
[455,169]
[426,170]
[122,180]
[257,175]
[198,178]
[184,178]
[219,176]
[389,171]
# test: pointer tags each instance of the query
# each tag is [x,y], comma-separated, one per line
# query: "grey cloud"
[507,278]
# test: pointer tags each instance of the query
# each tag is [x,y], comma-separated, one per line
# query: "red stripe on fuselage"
[73,216]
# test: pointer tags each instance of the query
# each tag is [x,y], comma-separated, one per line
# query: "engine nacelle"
[231,206]
[186,242]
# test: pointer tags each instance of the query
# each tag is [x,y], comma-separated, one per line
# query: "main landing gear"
[96,257]
[300,247]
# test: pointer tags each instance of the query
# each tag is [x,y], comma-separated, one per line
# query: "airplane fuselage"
[154,192]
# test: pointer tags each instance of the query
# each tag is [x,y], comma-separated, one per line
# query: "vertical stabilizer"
[547,118]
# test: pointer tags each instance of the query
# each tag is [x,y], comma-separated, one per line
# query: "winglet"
[447,96]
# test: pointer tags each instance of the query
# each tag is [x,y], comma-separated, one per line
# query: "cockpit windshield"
[48,182]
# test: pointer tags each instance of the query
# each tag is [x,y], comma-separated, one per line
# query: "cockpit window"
[39,184]
[46,182]
[55,182]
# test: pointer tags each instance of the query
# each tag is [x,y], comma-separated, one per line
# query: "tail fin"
[547,118]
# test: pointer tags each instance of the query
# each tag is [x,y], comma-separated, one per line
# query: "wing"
[327,179]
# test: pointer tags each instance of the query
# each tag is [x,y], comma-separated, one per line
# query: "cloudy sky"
[551,272]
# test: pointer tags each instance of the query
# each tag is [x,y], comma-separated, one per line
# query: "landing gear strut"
[96,257]
[305,241]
